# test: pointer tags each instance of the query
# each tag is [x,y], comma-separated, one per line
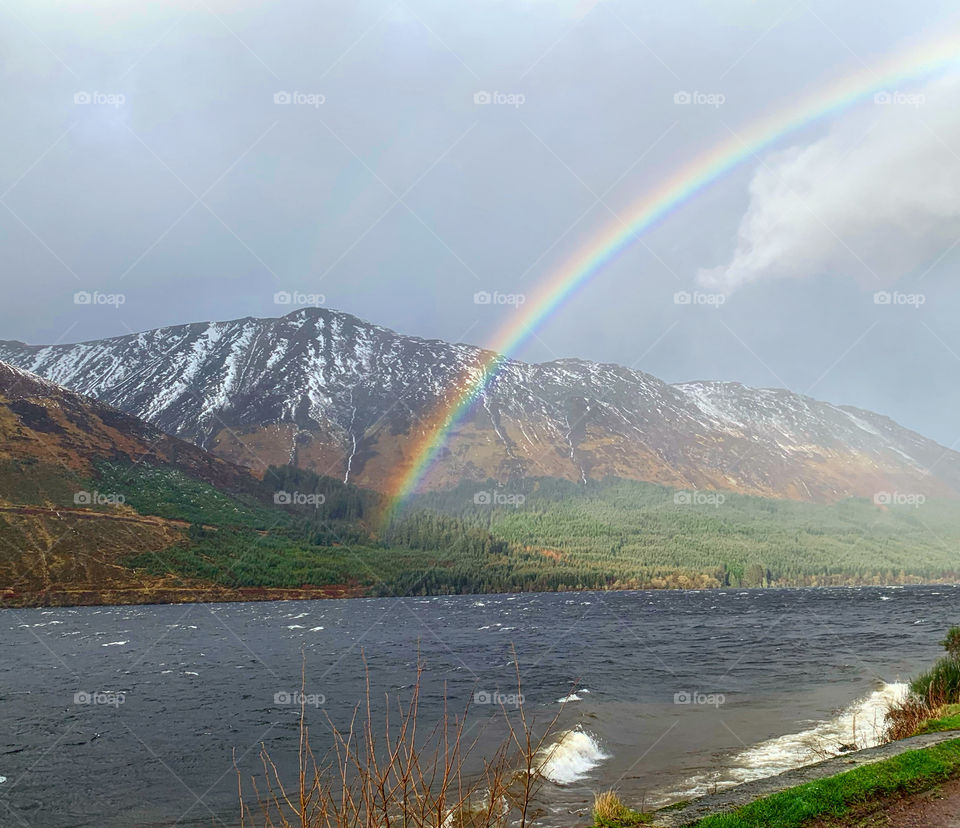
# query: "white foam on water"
[115,644]
[2,779]
[571,698]
[315,629]
[861,725]
[570,758]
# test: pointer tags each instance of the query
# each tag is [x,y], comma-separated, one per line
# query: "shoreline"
[210,594]
[788,784]
[160,596]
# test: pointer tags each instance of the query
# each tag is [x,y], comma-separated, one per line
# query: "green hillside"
[633,533]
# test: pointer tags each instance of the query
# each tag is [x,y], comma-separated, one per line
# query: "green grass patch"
[950,720]
[627,821]
[839,796]
[169,493]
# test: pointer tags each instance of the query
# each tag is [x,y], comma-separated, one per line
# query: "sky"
[176,162]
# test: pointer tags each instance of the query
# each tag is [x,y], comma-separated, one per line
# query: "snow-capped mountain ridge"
[328,391]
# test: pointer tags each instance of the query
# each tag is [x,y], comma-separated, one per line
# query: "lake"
[120,716]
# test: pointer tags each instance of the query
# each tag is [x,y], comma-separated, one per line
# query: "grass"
[610,812]
[934,697]
[941,683]
[606,535]
[949,719]
[840,796]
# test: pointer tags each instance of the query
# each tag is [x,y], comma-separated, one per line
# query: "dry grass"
[607,807]
[907,717]
[383,773]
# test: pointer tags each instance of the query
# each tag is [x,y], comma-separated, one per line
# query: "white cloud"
[876,198]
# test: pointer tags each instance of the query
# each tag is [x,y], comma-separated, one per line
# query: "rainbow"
[653,207]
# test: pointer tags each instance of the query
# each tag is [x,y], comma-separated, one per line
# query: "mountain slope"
[44,422]
[326,391]
[58,533]
[99,507]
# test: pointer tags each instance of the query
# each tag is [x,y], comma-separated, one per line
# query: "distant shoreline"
[221,595]
[172,595]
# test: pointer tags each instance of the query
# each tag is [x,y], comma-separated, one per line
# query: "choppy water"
[121,716]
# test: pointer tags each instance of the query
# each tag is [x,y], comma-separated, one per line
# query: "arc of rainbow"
[655,205]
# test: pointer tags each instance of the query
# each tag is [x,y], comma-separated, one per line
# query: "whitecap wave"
[570,758]
[860,725]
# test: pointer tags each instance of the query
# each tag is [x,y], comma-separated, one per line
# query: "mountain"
[41,422]
[73,475]
[99,507]
[325,391]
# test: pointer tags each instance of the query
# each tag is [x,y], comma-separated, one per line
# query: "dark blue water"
[121,716]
